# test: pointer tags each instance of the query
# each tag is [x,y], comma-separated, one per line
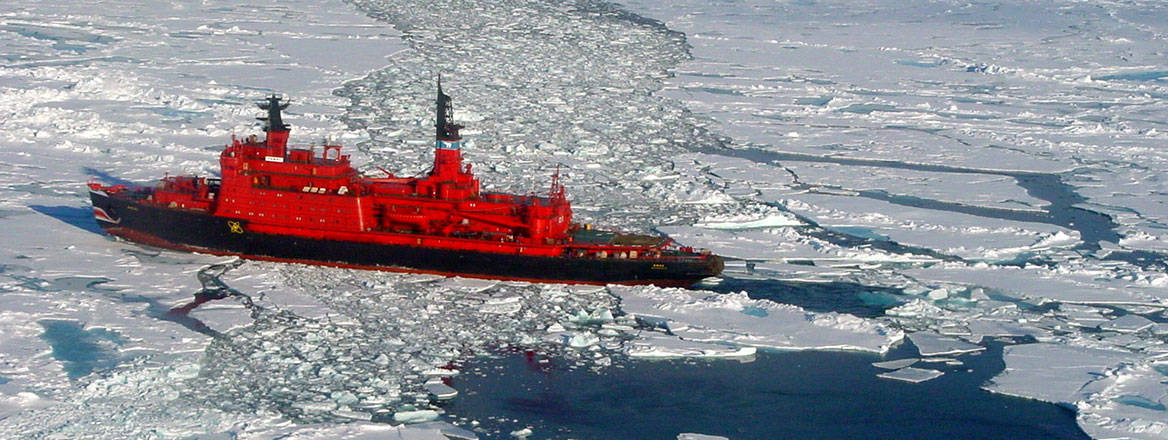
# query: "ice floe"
[911,374]
[1127,324]
[698,316]
[932,344]
[694,436]
[895,364]
[1054,372]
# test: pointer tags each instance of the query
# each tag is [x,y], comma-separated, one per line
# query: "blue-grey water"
[837,296]
[780,395]
[81,351]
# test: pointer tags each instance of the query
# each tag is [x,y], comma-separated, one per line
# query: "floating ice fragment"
[651,321]
[911,374]
[441,372]
[502,305]
[446,429]
[914,309]
[1128,340]
[699,316]
[1160,329]
[344,397]
[661,346]
[522,433]
[468,285]
[999,328]
[584,288]
[417,416]
[1127,324]
[941,360]
[1053,372]
[322,406]
[1058,239]
[653,177]
[350,414]
[184,371]
[1082,316]
[938,294]
[583,339]
[1126,401]
[1136,309]
[895,364]
[22,401]
[617,327]
[599,316]
[692,436]
[954,330]
[932,344]
[440,390]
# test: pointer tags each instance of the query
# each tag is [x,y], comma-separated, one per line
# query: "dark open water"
[780,395]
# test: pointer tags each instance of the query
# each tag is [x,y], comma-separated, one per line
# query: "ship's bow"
[103,210]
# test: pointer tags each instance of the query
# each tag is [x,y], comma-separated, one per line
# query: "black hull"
[200,232]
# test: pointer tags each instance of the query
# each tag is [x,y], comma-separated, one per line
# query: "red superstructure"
[282,190]
[273,200]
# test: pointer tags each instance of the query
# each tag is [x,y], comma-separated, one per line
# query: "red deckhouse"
[292,204]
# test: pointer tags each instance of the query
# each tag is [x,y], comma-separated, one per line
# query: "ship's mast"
[277,131]
[447,143]
[447,130]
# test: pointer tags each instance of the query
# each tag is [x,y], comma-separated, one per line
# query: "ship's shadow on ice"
[213,289]
[105,177]
[79,216]
[836,296]
[155,308]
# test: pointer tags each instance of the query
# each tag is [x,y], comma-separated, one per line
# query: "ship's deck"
[594,237]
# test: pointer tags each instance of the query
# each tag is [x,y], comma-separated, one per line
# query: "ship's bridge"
[293,169]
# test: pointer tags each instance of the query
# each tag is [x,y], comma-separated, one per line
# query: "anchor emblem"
[235,227]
